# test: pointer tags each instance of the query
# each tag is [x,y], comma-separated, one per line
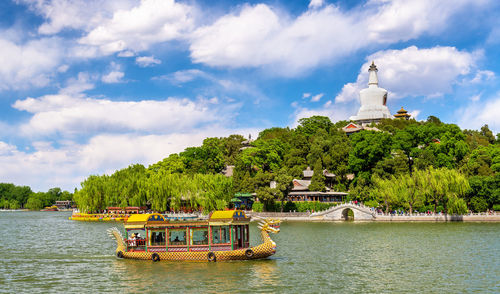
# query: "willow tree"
[445,185]
[166,191]
[91,197]
[384,190]
[409,189]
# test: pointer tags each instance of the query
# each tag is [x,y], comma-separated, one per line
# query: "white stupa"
[373,101]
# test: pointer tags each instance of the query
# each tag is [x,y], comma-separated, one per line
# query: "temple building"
[373,101]
[301,192]
[402,114]
[352,128]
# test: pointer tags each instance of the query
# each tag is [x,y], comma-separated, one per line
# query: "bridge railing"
[371,210]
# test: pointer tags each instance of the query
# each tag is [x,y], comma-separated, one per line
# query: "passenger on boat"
[159,238]
[132,240]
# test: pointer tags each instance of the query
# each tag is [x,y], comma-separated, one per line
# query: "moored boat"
[96,217]
[223,236]
[50,208]
[112,214]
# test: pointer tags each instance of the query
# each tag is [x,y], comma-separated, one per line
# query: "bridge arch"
[337,213]
[347,214]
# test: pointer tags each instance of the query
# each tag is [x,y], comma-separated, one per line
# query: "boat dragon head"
[270,225]
[115,234]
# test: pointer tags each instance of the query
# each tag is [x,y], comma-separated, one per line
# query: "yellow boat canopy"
[217,218]
[228,217]
[138,221]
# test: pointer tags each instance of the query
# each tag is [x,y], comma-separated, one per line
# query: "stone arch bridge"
[339,212]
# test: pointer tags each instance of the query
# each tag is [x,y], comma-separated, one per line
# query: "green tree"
[405,142]
[384,191]
[478,204]
[456,205]
[409,189]
[284,184]
[369,147]
[318,178]
[309,126]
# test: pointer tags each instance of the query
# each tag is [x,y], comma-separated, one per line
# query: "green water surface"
[42,252]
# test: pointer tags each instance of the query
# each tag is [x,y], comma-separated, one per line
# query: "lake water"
[44,252]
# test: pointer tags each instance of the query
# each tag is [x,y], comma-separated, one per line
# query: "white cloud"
[30,64]
[146,61]
[315,3]
[413,72]
[402,20]
[481,76]
[475,98]
[221,86]
[75,14]
[115,74]
[63,68]
[317,97]
[259,36]
[113,77]
[335,112]
[184,76]
[150,22]
[126,53]
[70,115]
[414,114]
[306,95]
[83,82]
[478,113]
[6,149]
[263,36]
[70,163]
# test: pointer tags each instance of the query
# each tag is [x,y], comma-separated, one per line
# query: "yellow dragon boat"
[223,236]
[117,214]
[97,217]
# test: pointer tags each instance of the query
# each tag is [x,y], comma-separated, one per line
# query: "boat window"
[177,237]
[157,237]
[220,234]
[199,236]
[245,233]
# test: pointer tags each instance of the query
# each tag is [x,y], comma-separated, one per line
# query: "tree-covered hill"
[15,197]
[400,151]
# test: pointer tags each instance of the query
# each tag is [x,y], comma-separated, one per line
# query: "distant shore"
[305,217]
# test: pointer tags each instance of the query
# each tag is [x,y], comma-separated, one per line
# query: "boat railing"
[138,244]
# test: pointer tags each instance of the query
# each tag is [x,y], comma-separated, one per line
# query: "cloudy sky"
[90,86]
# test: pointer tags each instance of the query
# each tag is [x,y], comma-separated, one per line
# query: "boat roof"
[140,221]
[136,221]
[227,214]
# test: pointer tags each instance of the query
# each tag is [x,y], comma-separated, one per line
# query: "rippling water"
[44,252]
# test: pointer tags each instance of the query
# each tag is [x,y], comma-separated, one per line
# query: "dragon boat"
[223,236]
[117,214]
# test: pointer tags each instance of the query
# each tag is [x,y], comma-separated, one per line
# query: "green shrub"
[496,207]
[372,203]
[290,206]
[257,206]
[304,206]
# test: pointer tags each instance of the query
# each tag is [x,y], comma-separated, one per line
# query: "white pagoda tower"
[373,101]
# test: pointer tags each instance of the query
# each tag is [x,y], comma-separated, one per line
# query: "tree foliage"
[407,152]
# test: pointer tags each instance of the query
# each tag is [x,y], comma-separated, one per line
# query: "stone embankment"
[473,217]
[336,215]
[285,216]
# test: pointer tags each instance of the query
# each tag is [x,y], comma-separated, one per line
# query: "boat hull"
[262,251]
[97,218]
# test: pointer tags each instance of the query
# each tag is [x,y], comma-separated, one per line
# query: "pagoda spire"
[372,78]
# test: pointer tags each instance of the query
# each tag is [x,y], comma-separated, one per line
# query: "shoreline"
[295,217]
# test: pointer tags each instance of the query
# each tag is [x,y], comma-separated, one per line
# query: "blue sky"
[91,86]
